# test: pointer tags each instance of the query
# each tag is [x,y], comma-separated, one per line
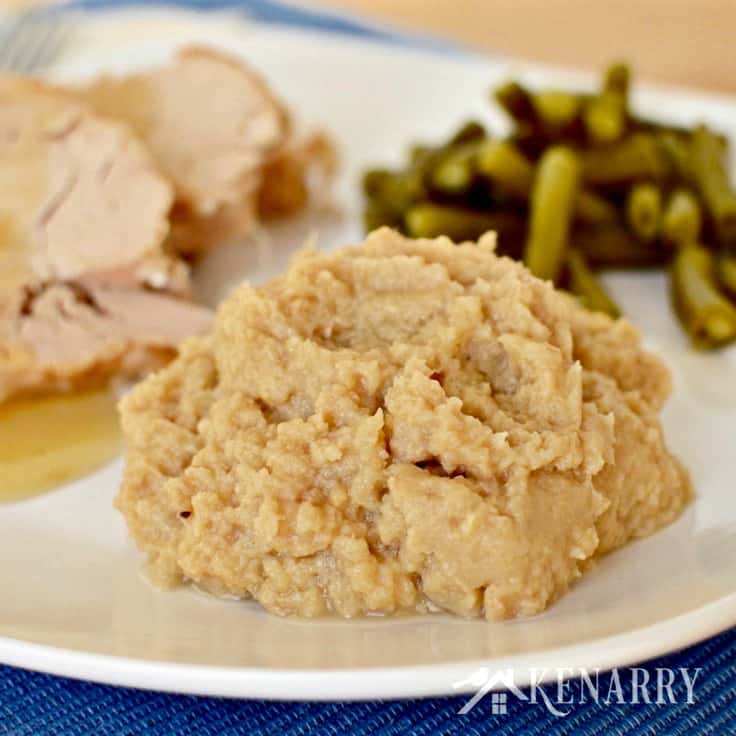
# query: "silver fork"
[31,41]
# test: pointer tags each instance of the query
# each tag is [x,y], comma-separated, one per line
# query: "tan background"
[690,42]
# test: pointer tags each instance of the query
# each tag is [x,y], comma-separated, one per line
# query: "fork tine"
[26,43]
[18,39]
[31,42]
[14,43]
[59,38]
[42,47]
[6,31]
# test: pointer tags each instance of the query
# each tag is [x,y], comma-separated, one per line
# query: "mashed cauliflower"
[400,426]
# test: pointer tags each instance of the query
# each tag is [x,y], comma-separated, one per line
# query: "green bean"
[376,215]
[722,141]
[613,246]
[617,79]
[681,221]
[637,157]
[429,220]
[389,195]
[425,160]
[551,210]
[677,149]
[453,175]
[711,179]
[556,111]
[605,117]
[654,126]
[677,131]
[605,114]
[451,169]
[708,317]
[516,100]
[506,166]
[726,271]
[592,209]
[586,286]
[467,132]
[395,189]
[375,180]
[418,154]
[527,137]
[643,210]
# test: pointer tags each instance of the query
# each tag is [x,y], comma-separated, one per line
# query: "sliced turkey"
[212,124]
[85,285]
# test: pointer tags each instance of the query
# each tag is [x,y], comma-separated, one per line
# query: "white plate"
[72,599]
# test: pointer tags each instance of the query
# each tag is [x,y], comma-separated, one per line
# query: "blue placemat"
[33,704]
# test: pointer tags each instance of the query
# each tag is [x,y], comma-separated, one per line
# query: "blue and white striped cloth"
[280,13]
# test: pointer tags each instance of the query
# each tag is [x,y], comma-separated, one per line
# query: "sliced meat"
[64,335]
[211,123]
[298,171]
[86,289]
[79,194]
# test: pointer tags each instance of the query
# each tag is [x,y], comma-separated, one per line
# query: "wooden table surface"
[687,42]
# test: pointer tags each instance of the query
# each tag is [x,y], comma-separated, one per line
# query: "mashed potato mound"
[401,426]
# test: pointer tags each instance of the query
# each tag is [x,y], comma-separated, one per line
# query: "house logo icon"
[499,683]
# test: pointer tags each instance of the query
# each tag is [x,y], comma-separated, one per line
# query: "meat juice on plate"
[50,440]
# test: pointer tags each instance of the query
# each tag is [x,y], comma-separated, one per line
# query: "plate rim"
[403,681]
[371,683]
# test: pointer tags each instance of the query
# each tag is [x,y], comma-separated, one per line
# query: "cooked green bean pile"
[580,185]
